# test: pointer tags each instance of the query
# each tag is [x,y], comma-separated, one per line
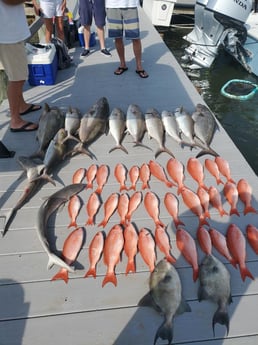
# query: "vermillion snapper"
[165,295]
[156,130]
[215,286]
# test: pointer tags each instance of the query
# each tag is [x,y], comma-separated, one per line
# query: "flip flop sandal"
[24,128]
[120,70]
[32,107]
[142,73]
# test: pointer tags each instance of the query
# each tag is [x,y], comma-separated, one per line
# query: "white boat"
[231,25]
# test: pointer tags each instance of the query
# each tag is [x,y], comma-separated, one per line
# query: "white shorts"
[51,8]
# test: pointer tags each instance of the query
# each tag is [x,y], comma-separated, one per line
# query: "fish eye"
[215,269]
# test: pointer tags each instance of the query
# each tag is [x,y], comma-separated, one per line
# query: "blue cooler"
[42,63]
[81,38]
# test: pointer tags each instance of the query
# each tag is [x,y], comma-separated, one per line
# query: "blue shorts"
[123,21]
[89,9]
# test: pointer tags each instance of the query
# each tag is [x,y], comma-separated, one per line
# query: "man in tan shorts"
[14,60]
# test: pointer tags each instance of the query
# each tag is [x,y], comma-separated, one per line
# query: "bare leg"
[86,34]
[49,29]
[137,49]
[100,32]
[16,103]
[120,51]
[60,28]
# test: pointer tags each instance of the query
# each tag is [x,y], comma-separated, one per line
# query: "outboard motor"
[218,23]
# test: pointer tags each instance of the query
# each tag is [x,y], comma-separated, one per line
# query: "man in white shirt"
[14,60]
[122,17]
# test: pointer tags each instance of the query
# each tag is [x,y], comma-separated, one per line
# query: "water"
[239,118]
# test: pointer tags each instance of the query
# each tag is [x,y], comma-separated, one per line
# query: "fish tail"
[73,223]
[249,209]
[55,260]
[89,185]
[90,221]
[123,187]
[130,267]
[233,262]
[145,185]
[91,272]
[165,331]
[62,274]
[195,274]
[133,187]
[203,221]
[170,184]
[222,212]
[163,149]
[110,278]
[231,180]
[207,214]
[158,222]
[179,190]
[219,181]
[245,273]
[118,147]
[8,220]
[178,222]
[220,316]
[234,211]
[207,152]
[46,177]
[103,223]
[170,259]
[99,190]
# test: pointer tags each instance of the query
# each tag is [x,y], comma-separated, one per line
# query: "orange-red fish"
[145,175]
[252,237]
[215,200]
[92,208]
[134,173]
[110,206]
[204,240]
[122,207]
[113,247]
[213,169]
[205,201]
[186,244]
[219,242]
[231,194]
[130,247]
[224,168]
[134,203]
[163,243]
[146,246]
[95,251]
[90,175]
[120,173]
[175,170]
[79,175]
[195,169]
[151,203]
[157,170]
[74,207]
[245,195]
[193,202]
[237,246]
[171,202]
[71,248]
[101,177]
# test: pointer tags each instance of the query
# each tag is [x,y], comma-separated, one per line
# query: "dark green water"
[239,118]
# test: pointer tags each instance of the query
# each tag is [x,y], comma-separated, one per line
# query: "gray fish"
[165,295]
[185,124]
[156,130]
[117,128]
[49,206]
[72,123]
[55,153]
[135,124]
[204,128]
[93,124]
[32,170]
[51,120]
[215,286]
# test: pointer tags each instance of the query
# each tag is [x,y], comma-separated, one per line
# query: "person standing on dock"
[13,57]
[122,17]
[87,10]
[51,10]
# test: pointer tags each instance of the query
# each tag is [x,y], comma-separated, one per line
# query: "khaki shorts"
[13,57]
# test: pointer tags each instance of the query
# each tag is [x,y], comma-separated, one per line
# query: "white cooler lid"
[44,55]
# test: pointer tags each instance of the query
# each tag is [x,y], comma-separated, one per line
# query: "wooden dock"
[36,310]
